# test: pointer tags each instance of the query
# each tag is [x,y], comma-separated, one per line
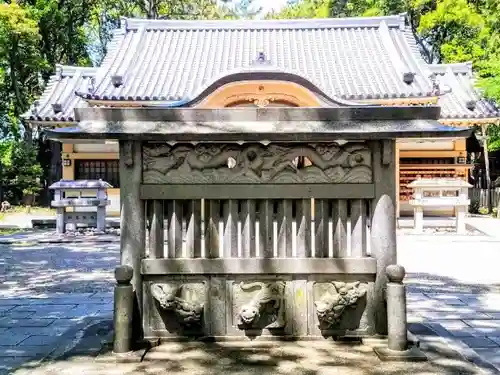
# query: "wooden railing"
[258,228]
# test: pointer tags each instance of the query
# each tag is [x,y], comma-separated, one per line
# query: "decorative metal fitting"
[117,80]
[57,107]
[408,77]
[471,105]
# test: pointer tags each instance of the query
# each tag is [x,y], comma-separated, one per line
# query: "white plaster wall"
[446,145]
[96,147]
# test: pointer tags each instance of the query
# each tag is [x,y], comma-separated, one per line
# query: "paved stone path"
[49,293]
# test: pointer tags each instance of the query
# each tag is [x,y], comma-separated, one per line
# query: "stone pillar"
[396,308]
[418,219]
[60,222]
[123,310]
[397,342]
[460,219]
[383,228]
[418,211]
[461,211]
[101,211]
[132,221]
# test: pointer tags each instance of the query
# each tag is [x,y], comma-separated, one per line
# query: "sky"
[268,5]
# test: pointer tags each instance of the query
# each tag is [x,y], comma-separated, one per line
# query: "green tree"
[61,27]
[20,65]
[20,172]
[105,17]
[302,9]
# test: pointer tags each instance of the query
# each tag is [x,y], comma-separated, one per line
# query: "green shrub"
[20,172]
[483,210]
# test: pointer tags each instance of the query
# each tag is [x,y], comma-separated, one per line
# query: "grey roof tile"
[61,90]
[352,58]
[174,60]
[460,82]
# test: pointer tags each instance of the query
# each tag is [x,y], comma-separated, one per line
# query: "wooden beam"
[471,121]
[233,266]
[428,154]
[264,191]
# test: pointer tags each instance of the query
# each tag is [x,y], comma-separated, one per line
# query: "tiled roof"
[173,61]
[60,91]
[351,58]
[462,101]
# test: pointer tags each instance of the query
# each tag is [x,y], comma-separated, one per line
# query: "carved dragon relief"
[188,312]
[256,163]
[330,307]
[257,100]
[267,306]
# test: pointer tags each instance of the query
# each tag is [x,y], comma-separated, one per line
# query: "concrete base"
[134,356]
[130,357]
[380,341]
[412,354]
[50,223]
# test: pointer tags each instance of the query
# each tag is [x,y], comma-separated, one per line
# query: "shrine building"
[265,63]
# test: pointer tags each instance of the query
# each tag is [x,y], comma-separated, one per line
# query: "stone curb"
[58,240]
[461,348]
[74,341]
[472,227]
[469,227]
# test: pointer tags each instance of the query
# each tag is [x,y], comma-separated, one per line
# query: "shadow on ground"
[34,270]
[90,355]
[429,283]
[28,270]
[298,358]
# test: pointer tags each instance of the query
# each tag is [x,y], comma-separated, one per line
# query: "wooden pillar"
[156,237]
[132,221]
[383,227]
[68,172]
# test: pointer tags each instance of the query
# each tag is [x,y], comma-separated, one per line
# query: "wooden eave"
[404,101]
[471,121]
[51,124]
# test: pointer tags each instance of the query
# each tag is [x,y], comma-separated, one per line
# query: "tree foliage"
[20,171]
[20,66]
[105,17]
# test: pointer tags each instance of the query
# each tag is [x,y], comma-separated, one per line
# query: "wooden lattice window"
[106,170]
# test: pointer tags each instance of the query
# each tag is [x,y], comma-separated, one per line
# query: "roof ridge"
[71,70]
[455,85]
[456,68]
[396,21]
[389,44]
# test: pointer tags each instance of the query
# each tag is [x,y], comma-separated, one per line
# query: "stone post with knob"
[123,310]
[397,340]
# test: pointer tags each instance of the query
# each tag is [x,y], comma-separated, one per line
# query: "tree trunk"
[484,129]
